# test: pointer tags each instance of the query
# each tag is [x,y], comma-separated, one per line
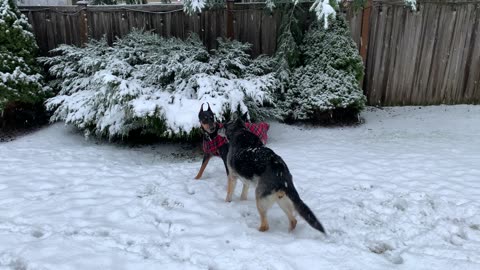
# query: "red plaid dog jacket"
[259,129]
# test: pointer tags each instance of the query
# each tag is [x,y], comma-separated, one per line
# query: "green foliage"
[288,50]
[324,79]
[313,92]
[332,47]
[358,4]
[20,80]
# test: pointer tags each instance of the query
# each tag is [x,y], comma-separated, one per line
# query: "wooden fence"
[428,56]
[73,24]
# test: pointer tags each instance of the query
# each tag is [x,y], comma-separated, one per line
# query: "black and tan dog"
[252,162]
[210,138]
[215,145]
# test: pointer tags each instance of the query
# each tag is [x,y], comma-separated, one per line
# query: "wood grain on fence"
[428,56]
[63,25]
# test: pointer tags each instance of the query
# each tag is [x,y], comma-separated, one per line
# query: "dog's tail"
[302,208]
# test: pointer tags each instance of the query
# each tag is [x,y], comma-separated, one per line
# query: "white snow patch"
[323,10]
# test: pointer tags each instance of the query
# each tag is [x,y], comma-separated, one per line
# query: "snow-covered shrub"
[317,95]
[154,84]
[325,87]
[332,47]
[20,81]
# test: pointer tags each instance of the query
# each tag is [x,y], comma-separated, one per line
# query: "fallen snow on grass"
[400,191]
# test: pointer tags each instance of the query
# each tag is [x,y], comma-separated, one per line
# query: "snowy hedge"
[154,84]
[20,80]
[323,80]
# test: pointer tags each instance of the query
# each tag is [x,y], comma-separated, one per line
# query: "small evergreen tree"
[332,47]
[325,87]
[20,80]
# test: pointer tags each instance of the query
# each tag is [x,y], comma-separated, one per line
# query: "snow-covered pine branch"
[411,4]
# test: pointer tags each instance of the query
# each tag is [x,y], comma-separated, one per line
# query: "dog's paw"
[263,228]
[293,224]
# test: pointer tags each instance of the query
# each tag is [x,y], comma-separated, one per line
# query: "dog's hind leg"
[232,182]
[206,159]
[287,206]
[244,192]
[263,204]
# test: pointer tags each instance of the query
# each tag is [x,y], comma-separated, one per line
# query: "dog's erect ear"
[239,122]
[203,109]
[245,117]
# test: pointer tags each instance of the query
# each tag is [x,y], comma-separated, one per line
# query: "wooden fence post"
[365,31]
[83,21]
[230,31]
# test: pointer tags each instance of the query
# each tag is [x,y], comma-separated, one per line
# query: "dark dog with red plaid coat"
[216,145]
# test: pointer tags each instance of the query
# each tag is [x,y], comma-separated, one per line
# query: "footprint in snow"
[37,234]
[387,251]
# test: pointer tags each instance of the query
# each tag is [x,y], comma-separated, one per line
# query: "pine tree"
[334,47]
[20,80]
[325,88]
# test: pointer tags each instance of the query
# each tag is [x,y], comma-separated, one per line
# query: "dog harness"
[212,146]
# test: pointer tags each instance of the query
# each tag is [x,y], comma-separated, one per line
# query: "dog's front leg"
[206,158]
[224,155]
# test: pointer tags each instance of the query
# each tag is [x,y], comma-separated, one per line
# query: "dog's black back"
[250,157]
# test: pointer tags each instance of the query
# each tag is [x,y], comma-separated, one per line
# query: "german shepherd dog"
[252,162]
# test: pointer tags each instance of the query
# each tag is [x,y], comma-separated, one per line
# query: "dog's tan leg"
[287,206]
[244,192]
[263,204]
[232,182]
[205,161]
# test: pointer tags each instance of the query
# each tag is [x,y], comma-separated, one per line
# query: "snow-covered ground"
[401,191]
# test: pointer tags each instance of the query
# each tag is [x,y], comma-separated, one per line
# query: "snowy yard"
[401,191]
